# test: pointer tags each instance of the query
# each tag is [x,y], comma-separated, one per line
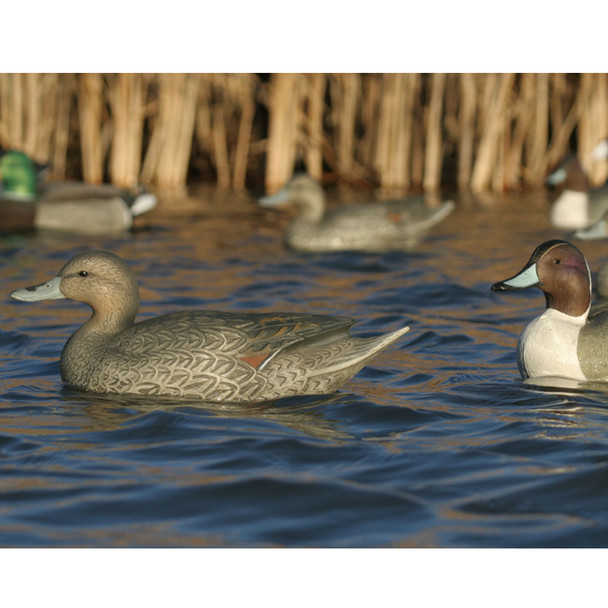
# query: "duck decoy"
[599,228]
[27,203]
[41,170]
[209,355]
[578,206]
[371,227]
[570,339]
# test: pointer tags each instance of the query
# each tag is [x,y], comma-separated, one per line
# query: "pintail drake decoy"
[599,228]
[579,207]
[208,355]
[26,202]
[570,339]
[370,227]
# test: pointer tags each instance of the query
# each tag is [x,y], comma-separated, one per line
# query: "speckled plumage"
[216,356]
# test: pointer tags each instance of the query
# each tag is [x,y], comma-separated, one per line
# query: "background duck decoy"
[579,207]
[209,355]
[27,203]
[570,339]
[372,227]
[598,229]
[41,170]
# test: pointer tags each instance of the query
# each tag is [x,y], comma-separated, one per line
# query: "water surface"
[437,443]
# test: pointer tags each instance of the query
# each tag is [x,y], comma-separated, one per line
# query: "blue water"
[437,443]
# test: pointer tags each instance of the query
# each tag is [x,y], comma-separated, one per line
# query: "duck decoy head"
[561,271]
[303,191]
[98,278]
[18,176]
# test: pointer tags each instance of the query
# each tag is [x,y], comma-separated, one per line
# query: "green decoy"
[27,203]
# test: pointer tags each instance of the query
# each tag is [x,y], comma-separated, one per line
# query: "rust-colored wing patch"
[255,360]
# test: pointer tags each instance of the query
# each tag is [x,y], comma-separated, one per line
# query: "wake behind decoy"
[210,355]
[570,339]
[371,227]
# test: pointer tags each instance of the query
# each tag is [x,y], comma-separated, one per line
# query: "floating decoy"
[599,228]
[570,339]
[370,227]
[27,203]
[209,355]
[580,207]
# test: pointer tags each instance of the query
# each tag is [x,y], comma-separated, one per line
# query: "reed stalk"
[53,92]
[434,135]
[394,130]
[245,104]
[168,154]
[218,125]
[127,99]
[468,106]
[592,124]
[539,135]
[90,114]
[58,155]
[585,131]
[314,113]
[565,120]
[417,133]
[345,95]
[496,93]
[523,117]
[285,106]
[599,172]
[371,91]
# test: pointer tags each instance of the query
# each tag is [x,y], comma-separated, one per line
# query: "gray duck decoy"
[372,227]
[28,202]
[210,355]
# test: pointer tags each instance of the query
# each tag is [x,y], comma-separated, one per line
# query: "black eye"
[83,273]
[558,261]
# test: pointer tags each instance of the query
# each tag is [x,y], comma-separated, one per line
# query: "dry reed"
[35,116]
[396,132]
[90,114]
[127,100]
[285,106]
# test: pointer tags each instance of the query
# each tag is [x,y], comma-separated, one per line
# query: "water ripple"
[437,442]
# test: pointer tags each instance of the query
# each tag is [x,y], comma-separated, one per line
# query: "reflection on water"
[438,442]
